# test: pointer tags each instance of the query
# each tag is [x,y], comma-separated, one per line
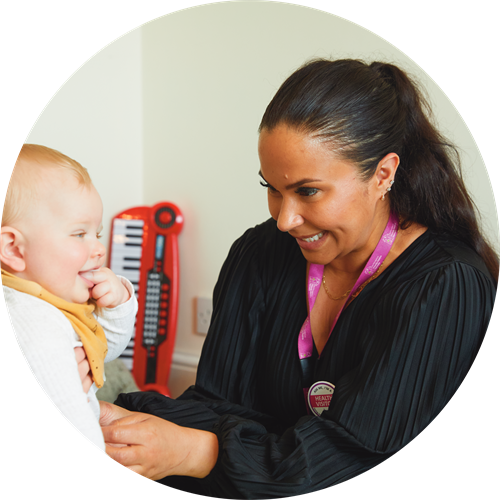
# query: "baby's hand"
[108,290]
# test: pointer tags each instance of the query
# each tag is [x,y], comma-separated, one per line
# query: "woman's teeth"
[316,237]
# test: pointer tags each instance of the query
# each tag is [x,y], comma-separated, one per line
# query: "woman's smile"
[312,242]
[316,237]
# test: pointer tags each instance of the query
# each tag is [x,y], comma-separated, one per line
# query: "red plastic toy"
[144,249]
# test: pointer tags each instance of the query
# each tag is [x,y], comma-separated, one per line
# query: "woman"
[343,325]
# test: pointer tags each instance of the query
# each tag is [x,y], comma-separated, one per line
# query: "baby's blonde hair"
[26,176]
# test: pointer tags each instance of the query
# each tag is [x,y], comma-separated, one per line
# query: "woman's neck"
[352,264]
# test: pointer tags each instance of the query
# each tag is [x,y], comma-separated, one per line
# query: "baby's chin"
[84,299]
[78,297]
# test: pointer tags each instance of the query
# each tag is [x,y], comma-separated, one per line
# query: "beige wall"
[170,112]
[96,118]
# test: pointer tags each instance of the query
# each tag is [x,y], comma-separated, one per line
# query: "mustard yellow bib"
[81,318]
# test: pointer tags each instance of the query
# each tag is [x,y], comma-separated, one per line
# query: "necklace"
[358,291]
[343,296]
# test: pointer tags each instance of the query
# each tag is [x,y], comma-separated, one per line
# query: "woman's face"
[321,200]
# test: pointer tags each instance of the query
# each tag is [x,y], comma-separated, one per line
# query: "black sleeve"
[408,370]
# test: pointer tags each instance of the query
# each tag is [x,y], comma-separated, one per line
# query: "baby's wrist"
[127,292]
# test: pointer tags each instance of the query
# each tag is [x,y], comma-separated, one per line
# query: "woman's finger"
[124,455]
[132,456]
[138,469]
[128,430]
[83,368]
[80,354]
[111,413]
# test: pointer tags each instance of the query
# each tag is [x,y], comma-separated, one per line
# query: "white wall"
[96,118]
[170,112]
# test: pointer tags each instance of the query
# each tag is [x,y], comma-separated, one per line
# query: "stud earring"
[388,189]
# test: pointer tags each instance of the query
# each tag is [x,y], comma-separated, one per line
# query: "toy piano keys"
[143,249]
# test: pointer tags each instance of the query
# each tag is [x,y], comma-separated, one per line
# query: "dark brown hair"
[365,111]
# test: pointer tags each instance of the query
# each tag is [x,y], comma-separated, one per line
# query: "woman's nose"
[288,217]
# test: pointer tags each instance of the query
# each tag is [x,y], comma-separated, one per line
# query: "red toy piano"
[143,249]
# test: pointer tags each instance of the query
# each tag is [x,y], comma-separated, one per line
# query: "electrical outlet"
[203,314]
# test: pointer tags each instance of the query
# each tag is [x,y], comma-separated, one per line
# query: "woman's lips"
[312,242]
[315,237]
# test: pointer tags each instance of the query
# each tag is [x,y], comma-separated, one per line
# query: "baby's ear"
[12,249]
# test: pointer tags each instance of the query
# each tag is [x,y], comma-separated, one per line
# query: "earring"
[388,189]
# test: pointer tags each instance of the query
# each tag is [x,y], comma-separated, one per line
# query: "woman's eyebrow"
[301,183]
[295,184]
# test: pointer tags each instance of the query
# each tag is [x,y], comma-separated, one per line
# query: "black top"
[397,355]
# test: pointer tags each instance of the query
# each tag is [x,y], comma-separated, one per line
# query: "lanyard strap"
[305,342]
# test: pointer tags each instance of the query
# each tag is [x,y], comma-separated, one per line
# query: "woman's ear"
[386,170]
[12,249]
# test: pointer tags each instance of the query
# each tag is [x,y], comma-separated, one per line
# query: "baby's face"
[61,235]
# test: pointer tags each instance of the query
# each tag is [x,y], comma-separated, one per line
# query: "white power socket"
[203,314]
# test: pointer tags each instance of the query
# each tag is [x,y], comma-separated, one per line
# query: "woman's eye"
[80,235]
[98,236]
[305,191]
[268,186]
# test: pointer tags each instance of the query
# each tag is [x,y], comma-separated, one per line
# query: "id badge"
[319,397]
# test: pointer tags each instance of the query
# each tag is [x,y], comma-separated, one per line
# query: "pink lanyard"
[378,256]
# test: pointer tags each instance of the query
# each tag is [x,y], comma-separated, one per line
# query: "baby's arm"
[118,322]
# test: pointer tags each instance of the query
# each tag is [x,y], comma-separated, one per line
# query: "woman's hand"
[156,448]
[83,368]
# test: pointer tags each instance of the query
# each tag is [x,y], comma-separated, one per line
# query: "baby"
[57,292]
